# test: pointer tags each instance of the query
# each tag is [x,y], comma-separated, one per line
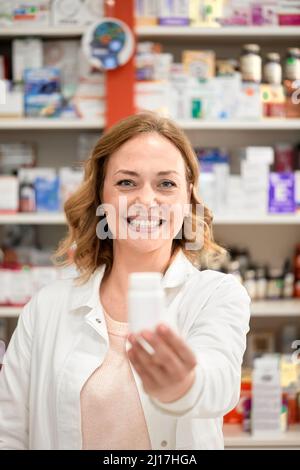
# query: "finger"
[165,356]
[143,373]
[146,360]
[148,382]
[178,345]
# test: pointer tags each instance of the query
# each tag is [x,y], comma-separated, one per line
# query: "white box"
[77,12]
[12,106]
[260,154]
[9,194]
[27,53]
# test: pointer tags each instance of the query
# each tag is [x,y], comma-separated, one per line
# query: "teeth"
[144,223]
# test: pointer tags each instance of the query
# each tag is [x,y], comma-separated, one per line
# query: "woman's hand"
[169,372]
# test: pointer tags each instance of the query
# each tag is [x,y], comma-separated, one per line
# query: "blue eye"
[168,184]
[121,182]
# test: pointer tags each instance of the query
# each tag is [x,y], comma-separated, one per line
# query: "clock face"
[68,8]
[95,7]
[108,44]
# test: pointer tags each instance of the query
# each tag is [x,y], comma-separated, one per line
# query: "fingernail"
[162,329]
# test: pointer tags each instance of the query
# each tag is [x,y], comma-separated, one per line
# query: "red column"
[120,82]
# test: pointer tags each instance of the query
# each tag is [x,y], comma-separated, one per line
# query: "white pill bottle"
[146,301]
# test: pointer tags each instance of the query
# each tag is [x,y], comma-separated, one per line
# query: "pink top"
[112,416]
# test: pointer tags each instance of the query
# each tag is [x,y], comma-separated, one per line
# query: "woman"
[73,376]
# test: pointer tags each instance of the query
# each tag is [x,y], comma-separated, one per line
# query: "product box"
[236,13]
[76,12]
[281,193]
[31,12]
[14,156]
[70,181]
[284,157]
[12,104]
[273,101]
[9,190]
[264,13]
[259,155]
[155,96]
[289,13]
[6,13]
[47,192]
[266,398]
[199,64]
[206,13]
[146,12]
[26,54]
[249,102]
[297,190]
[63,55]
[173,12]
[42,96]
[255,185]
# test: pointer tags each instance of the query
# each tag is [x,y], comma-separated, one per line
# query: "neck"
[127,261]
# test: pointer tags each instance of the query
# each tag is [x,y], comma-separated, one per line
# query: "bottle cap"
[145,280]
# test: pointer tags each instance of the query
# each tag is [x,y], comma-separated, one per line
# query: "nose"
[147,196]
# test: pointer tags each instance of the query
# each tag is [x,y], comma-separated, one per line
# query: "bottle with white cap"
[146,301]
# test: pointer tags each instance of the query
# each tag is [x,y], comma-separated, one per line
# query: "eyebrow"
[134,173]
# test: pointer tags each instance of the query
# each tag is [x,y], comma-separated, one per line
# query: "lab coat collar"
[87,294]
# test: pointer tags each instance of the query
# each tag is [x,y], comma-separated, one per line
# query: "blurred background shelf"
[51,124]
[181,32]
[284,219]
[39,218]
[276,308]
[235,438]
[44,32]
[191,124]
[263,309]
[225,32]
[264,124]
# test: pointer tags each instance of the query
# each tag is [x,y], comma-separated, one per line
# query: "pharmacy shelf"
[42,31]
[48,218]
[266,308]
[51,124]
[190,124]
[10,312]
[161,31]
[260,125]
[235,438]
[225,32]
[272,219]
[40,218]
[275,308]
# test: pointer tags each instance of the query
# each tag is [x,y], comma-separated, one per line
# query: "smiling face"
[145,192]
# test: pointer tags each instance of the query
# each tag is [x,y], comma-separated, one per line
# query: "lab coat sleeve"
[218,338]
[14,384]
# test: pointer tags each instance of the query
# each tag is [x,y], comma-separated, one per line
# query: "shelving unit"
[237,439]
[181,32]
[51,124]
[269,231]
[188,125]
[262,309]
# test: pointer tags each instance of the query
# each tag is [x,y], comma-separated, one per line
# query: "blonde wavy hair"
[88,251]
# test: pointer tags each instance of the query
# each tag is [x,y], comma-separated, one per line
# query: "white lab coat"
[61,338]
